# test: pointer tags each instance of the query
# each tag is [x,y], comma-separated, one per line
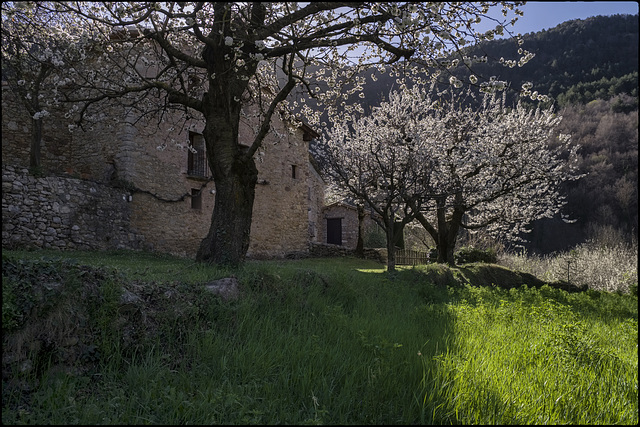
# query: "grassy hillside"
[134,338]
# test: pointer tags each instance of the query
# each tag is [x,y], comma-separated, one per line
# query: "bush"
[375,239]
[469,254]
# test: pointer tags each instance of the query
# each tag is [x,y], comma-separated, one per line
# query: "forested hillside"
[577,61]
[589,68]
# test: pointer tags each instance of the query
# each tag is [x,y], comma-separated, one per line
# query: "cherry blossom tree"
[475,163]
[496,169]
[381,159]
[212,59]
[35,47]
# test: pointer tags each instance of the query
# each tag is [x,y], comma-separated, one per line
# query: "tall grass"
[340,341]
[541,357]
[609,267]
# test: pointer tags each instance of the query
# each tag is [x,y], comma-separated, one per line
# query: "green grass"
[315,341]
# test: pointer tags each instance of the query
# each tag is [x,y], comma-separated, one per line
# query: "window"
[293,171]
[196,158]
[196,199]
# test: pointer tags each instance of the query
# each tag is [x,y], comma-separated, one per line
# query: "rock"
[227,288]
[70,342]
[129,302]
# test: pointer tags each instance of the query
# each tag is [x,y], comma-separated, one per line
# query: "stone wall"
[64,213]
[16,127]
[316,203]
[86,154]
[324,250]
[281,208]
[163,212]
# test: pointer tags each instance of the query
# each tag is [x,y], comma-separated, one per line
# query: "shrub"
[375,239]
[470,254]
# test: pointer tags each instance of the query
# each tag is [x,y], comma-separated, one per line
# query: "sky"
[543,15]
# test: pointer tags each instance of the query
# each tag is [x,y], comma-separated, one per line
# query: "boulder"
[227,288]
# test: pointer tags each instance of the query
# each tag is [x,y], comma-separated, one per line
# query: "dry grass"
[602,267]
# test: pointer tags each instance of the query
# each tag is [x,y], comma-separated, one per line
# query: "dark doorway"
[334,231]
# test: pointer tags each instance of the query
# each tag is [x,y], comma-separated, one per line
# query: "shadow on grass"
[420,301]
[309,341]
[334,341]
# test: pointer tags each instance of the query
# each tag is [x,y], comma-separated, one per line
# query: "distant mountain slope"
[576,61]
[590,69]
[575,52]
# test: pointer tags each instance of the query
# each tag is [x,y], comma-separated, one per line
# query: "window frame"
[197,165]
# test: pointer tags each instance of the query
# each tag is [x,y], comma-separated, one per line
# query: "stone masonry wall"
[316,203]
[281,209]
[87,154]
[63,213]
[280,222]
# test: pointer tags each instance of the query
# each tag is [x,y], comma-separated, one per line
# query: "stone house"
[162,191]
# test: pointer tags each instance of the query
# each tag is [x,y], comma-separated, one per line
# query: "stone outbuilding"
[340,225]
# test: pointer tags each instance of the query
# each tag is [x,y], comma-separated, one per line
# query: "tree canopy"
[453,164]
[209,60]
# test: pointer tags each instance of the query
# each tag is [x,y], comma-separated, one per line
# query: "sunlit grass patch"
[541,363]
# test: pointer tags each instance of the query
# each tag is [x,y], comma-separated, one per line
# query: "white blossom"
[40,114]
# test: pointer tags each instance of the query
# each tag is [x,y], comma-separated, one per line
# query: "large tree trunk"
[391,249]
[233,169]
[235,176]
[445,253]
[445,249]
[228,239]
[393,233]
[448,229]
[445,232]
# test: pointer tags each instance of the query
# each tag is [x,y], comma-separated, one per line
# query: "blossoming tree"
[381,159]
[35,46]
[496,169]
[257,51]
[473,166]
